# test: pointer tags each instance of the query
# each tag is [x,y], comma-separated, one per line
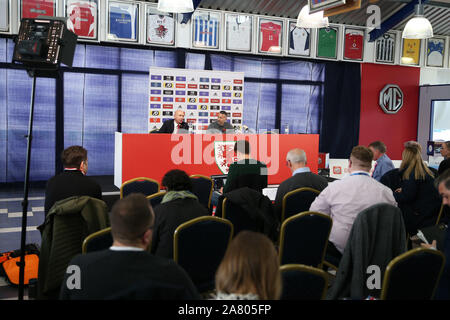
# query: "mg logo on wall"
[391,99]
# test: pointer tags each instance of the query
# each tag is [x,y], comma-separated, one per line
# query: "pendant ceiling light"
[176,6]
[315,20]
[418,27]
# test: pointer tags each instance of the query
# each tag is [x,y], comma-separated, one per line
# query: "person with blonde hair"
[416,197]
[249,269]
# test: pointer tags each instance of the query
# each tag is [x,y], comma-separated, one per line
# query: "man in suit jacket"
[73,180]
[301,177]
[126,270]
[177,125]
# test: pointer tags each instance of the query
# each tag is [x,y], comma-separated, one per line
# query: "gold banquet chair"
[199,246]
[100,240]
[296,201]
[142,185]
[413,275]
[156,198]
[302,282]
[202,187]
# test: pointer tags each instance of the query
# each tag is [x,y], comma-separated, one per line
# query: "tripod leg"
[25,194]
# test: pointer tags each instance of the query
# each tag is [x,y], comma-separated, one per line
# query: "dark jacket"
[168,216]
[300,180]
[133,275]
[419,201]
[257,206]
[68,184]
[444,165]
[67,224]
[246,173]
[377,236]
[168,127]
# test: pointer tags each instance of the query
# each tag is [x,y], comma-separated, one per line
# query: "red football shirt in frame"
[82,18]
[353,45]
[270,33]
[34,8]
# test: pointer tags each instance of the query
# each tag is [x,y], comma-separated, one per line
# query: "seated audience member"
[417,197]
[127,270]
[301,177]
[73,180]
[445,152]
[178,205]
[443,290]
[177,125]
[249,269]
[383,162]
[344,199]
[246,172]
[221,125]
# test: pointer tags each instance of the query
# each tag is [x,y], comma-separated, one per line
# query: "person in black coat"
[179,205]
[73,180]
[177,125]
[127,270]
[417,197]
[445,152]
[301,177]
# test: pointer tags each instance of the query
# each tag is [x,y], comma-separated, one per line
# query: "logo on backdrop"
[224,155]
[391,99]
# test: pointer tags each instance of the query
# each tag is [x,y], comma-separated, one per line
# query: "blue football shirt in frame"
[123,21]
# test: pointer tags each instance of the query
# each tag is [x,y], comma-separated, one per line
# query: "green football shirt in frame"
[327,43]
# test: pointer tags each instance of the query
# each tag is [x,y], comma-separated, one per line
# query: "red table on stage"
[152,155]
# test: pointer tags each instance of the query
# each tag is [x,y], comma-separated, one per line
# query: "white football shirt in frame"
[299,40]
[239,32]
[160,28]
[4,15]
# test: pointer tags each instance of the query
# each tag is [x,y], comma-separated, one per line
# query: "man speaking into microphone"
[221,125]
[177,125]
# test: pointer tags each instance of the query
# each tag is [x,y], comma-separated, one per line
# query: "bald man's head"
[179,116]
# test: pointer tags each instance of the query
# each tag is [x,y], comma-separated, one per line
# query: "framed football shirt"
[205,29]
[327,43]
[270,36]
[160,27]
[4,15]
[353,44]
[238,32]
[82,17]
[299,40]
[411,51]
[34,8]
[435,52]
[385,48]
[123,21]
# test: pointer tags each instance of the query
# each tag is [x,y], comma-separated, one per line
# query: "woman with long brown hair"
[249,269]
[417,197]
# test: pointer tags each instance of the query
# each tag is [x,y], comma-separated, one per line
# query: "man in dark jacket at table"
[177,125]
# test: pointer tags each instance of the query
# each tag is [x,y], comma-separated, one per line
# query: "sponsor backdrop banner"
[201,94]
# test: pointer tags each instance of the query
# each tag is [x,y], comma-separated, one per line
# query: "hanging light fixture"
[177,6]
[418,27]
[315,20]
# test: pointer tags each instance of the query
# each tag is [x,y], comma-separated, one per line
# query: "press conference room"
[182,145]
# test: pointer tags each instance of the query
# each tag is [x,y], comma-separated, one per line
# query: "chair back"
[414,275]
[302,282]
[304,239]
[251,180]
[199,246]
[240,219]
[142,185]
[202,187]
[296,201]
[156,198]
[97,241]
